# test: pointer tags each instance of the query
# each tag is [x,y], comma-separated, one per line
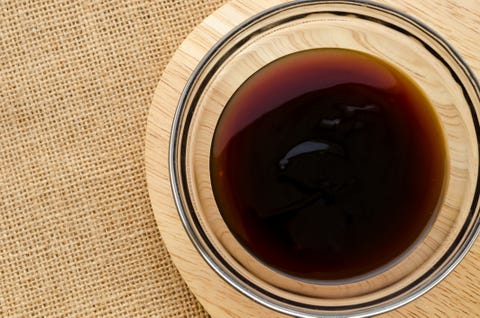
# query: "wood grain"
[457,295]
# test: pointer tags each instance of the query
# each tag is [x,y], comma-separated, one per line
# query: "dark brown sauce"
[328,164]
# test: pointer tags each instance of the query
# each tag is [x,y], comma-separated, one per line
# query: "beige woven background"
[77,234]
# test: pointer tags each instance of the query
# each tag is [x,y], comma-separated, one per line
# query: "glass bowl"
[356,25]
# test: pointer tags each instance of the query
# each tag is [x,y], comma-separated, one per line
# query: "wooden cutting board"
[458,295]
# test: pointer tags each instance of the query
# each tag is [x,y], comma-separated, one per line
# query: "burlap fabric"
[78,237]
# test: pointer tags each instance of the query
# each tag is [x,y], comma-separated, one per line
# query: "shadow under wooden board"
[457,296]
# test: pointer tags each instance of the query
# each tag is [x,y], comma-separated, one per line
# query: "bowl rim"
[234,278]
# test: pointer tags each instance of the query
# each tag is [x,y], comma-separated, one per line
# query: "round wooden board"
[457,296]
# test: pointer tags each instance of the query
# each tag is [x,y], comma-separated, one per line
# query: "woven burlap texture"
[78,236]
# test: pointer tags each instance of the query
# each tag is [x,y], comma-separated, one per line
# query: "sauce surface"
[328,164]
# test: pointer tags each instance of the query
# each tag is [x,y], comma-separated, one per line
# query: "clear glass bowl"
[301,25]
